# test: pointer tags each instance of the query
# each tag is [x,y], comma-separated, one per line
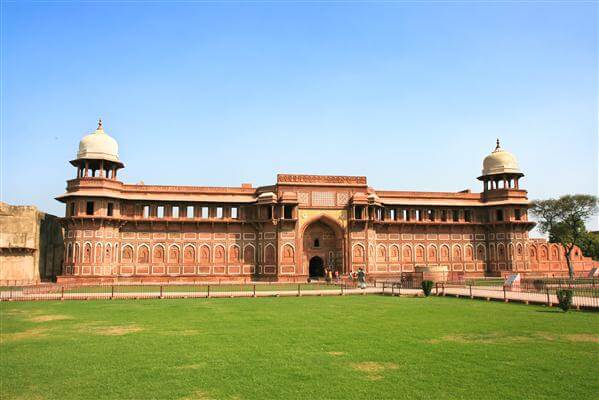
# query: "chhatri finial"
[100,125]
[497,147]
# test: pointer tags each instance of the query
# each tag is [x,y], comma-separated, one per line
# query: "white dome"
[500,162]
[98,146]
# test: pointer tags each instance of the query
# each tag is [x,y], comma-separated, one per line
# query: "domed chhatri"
[500,162]
[98,146]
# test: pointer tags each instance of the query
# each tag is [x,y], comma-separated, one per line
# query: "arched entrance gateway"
[322,243]
[316,268]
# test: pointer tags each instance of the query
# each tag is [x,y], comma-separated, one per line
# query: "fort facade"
[296,227]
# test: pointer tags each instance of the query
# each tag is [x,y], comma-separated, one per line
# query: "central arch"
[316,267]
[322,242]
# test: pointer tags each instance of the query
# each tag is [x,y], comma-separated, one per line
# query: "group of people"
[353,276]
[329,275]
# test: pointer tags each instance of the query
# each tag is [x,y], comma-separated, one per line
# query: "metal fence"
[181,290]
[585,291]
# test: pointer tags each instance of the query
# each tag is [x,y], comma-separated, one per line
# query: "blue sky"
[412,95]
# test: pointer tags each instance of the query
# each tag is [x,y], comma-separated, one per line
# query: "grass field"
[352,347]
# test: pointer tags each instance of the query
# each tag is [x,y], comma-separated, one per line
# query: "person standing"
[362,278]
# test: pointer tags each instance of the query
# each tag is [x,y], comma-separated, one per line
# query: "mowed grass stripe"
[354,347]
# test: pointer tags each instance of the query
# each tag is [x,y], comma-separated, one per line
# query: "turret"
[98,156]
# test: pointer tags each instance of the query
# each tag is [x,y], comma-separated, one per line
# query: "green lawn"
[352,347]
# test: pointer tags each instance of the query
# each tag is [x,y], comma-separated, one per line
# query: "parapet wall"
[31,245]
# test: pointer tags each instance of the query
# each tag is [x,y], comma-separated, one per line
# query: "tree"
[563,219]
[590,245]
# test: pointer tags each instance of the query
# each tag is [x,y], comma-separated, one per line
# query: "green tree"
[563,219]
[590,245]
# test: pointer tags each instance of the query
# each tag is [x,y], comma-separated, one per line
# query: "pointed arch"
[432,253]
[205,254]
[249,254]
[519,251]
[189,254]
[158,254]
[358,253]
[381,253]
[219,254]
[127,254]
[98,253]
[77,254]
[174,254]
[419,253]
[269,254]
[234,252]
[444,253]
[456,252]
[481,252]
[532,252]
[371,253]
[287,253]
[394,253]
[406,253]
[468,252]
[108,253]
[554,254]
[143,254]
[543,253]
[501,256]
[87,252]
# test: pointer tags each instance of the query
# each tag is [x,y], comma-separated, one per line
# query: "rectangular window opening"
[89,208]
[455,215]
[110,209]
[146,212]
[175,212]
[160,211]
[468,215]
[288,212]
[190,211]
[499,215]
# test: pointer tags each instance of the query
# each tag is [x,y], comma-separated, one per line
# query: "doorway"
[316,267]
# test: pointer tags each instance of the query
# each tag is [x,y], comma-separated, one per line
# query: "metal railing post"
[62,292]
[299,293]
[504,295]
[548,298]
[471,291]
[208,294]
[254,290]
[161,296]
[112,292]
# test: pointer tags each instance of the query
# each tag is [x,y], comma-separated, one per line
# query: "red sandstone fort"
[295,228]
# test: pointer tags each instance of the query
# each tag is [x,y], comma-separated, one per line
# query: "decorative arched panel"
[407,253]
[432,253]
[189,254]
[249,254]
[234,254]
[381,253]
[419,253]
[158,254]
[174,254]
[358,254]
[204,255]
[394,253]
[444,253]
[269,254]
[127,256]
[143,254]
[287,254]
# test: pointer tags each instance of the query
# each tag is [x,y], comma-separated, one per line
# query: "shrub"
[427,286]
[564,298]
